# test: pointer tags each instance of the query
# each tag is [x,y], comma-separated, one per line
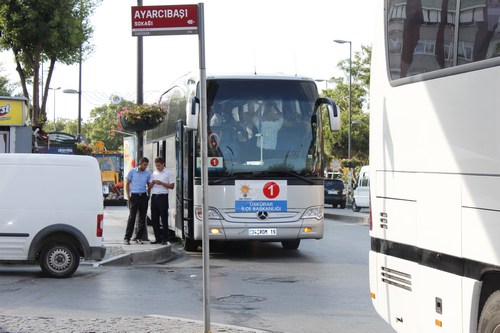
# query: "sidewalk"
[117,253]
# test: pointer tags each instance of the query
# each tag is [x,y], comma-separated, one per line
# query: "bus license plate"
[262,232]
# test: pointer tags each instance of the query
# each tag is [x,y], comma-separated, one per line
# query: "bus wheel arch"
[489,303]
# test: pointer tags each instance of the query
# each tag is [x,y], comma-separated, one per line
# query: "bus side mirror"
[333,112]
[193,109]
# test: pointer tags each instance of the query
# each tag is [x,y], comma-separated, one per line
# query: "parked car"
[335,193]
[362,190]
[51,211]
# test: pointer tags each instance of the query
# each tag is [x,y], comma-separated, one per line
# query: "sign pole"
[204,169]
[180,20]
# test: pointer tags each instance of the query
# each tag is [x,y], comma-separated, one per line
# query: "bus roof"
[259,77]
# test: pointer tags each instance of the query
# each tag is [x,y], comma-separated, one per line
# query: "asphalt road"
[322,287]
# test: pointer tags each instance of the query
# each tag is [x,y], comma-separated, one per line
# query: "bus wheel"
[355,207]
[489,322]
[190,245]
[291,244]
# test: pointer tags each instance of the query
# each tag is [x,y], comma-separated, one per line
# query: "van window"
[364,180]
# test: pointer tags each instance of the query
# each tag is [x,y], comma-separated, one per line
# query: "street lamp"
[54,89]
[350,93]
[340,41]
[79,124]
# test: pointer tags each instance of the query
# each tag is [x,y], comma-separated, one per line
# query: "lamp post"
[54,89]
[340,41]
[79,92]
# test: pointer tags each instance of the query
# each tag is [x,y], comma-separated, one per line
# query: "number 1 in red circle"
[271,190]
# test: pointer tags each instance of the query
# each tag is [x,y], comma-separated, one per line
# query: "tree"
[336,143]
[6,88]
[44,31]
[68,126]
[105,119]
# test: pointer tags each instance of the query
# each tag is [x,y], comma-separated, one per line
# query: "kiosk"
[15,136]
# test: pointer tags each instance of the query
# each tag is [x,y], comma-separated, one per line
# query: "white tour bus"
[265,158]
[435,165]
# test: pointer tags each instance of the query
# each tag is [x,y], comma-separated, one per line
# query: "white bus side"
[435,166]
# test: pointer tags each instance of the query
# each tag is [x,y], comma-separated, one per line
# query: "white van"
[51,211]
[361,197]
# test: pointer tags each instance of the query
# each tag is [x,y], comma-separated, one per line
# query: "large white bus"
[435,165]
[265,158]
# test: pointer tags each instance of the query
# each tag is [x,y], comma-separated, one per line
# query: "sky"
[241,37]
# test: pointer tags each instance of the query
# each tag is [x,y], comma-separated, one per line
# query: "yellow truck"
[111,166]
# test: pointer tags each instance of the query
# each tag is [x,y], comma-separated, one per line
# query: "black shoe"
[164,243]
[138,241]
[127,242]
[155,242]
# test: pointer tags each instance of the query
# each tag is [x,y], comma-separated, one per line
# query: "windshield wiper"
[307,180]
[233,176]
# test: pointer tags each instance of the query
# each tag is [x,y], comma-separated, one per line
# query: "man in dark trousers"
[137,184]
[162,181]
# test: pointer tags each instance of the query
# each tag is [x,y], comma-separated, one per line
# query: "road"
[322,287]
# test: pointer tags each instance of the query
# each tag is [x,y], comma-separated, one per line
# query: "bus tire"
[190,245]
[489,322]
[291,244]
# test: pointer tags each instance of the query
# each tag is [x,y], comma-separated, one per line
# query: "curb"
[347,218]
[155,256]
[200,322]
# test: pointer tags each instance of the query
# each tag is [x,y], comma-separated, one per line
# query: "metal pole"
[349,173]
[140,90]
[54,89]
[79,127]
[350,100]
[349,186]
[204,170]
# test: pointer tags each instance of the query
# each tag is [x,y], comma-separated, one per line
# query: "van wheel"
[355,207]
[190,245]
[291,244]
[59,259]
[489,322]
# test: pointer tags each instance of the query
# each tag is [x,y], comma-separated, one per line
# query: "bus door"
[184,217]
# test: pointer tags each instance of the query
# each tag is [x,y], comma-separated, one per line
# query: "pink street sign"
[164,20]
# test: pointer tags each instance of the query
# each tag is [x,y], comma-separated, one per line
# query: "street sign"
[164,20]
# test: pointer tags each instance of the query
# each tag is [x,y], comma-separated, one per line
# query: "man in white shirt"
[162,180]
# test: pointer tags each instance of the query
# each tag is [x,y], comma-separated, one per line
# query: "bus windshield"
[262,125]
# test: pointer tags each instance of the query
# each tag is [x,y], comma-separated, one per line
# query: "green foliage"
[336,143]
[6,88]
[104,120]
[83,149]
[39,31]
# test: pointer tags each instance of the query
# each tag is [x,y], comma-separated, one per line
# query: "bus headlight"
[213,214]
[313,212]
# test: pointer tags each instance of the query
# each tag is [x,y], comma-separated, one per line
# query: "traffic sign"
[164,20]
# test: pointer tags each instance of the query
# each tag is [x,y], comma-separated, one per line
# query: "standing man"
[137,184]
[161,181]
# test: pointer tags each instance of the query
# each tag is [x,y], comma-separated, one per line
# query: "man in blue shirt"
[137,184]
